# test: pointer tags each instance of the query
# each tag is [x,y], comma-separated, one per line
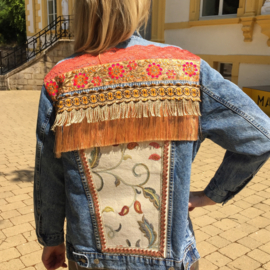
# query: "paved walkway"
[235,236]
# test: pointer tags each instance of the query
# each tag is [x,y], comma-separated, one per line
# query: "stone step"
[3,83]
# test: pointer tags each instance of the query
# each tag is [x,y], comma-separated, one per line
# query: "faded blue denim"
[229,118]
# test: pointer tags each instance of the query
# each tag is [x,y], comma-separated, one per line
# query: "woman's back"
[127,124]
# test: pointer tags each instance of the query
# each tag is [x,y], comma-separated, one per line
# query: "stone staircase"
[3,83]
[25,66]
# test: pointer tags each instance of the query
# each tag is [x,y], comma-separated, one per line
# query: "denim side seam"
[42,137]
[236,110]
[89,198]
[40,142]
[170,202]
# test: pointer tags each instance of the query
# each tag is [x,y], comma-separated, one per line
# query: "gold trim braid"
[151,101]
[130,110]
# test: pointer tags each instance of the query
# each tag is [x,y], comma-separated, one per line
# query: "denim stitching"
[89,197]
[170,199]
[239,112]
[130,255]
[79,255]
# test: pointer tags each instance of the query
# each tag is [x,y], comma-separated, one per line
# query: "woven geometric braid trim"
[143,93]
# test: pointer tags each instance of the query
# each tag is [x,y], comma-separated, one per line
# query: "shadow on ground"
[26,175]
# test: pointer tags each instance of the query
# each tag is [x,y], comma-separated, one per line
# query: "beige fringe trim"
[141,109]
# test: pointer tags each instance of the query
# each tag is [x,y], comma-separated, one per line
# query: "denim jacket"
[124,191]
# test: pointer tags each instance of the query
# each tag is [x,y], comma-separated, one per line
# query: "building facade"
[231,35]
[40,13]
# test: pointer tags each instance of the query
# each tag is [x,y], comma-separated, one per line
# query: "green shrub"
[12,21]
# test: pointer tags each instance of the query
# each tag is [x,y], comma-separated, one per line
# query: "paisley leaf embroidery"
[138,243]
[148,230]
[155,157]
[155,145]
[128,242]
[119,229]
[108,209]
[124,211]
[101,180]
[131,146]
[117,182]
[150,194]
[138,207]
[95,157]
[127,157]
[111,233]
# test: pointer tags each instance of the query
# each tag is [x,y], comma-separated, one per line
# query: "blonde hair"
[102,24]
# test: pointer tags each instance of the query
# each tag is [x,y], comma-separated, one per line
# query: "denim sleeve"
[49,186]
[233,121]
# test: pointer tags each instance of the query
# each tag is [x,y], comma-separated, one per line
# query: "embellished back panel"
[129,187]
[125,95]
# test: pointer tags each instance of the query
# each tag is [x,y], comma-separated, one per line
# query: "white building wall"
[253,75]
[177,11]
[218,40]
[30,17]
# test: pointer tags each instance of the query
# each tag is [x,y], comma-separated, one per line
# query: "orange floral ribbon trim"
[120,66]
[124,72]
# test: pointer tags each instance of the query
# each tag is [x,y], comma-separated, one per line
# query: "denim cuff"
[215,194]
[51,240]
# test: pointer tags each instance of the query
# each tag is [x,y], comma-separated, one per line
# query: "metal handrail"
[57,29]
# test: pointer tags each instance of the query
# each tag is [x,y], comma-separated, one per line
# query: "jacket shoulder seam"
[238,111]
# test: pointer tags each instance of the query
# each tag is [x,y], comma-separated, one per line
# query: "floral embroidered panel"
[129,187]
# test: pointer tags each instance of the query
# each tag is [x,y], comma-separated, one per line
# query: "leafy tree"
[12,21]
